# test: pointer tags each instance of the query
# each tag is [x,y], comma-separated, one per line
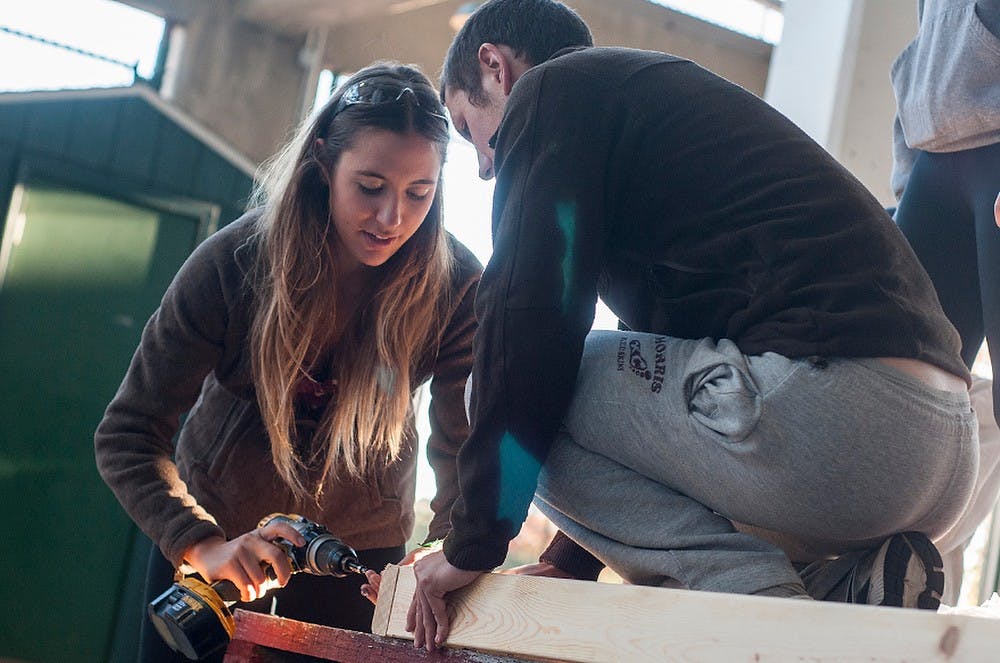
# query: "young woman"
[294,339]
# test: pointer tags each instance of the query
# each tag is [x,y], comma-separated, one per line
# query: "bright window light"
[111,30]
[750,17]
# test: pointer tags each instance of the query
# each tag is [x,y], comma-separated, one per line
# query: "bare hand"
[369,590]
[427,617]
[243,560]
[538,569]
[996,210]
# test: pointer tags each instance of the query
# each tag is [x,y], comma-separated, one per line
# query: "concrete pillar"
[239,80]
[830,75]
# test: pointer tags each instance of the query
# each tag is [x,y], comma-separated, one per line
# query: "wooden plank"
[240,651]
[261,638]
[386,599]
[587,621]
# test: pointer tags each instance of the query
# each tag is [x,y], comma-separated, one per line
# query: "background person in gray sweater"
[946,175]
[946,170]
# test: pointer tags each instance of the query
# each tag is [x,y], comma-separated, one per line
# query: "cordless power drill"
[193,617]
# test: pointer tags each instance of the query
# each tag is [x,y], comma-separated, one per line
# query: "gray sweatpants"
[669,442]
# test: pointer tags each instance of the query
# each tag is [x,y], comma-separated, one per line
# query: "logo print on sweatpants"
[637,362]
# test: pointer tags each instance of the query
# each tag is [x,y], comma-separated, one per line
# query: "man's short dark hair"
[534,29]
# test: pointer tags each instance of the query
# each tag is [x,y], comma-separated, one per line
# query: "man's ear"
[498,67]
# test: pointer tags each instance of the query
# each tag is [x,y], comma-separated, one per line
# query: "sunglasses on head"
[375,92]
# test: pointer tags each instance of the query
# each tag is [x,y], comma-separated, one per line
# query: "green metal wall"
[123,142]
[109,196]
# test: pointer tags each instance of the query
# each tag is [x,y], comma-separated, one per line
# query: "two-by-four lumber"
[261,638]
[575,620]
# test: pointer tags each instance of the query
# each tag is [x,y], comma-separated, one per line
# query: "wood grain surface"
[575,620]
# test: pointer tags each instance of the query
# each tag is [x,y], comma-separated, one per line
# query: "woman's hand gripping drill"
[243,560]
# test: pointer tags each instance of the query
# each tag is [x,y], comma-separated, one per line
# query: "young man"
[786,386]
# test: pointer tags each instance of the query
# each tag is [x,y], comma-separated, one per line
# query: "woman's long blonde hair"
[370,417]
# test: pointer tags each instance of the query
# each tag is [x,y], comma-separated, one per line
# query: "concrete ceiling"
[344,35]
[298,16]
[292,17]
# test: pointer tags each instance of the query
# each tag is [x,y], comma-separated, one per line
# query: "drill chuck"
[331,557]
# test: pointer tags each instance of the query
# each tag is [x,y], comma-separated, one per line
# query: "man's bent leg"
[648,533]
[838,451]
[839,454]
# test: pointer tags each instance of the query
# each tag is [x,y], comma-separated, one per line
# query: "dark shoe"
[905,571]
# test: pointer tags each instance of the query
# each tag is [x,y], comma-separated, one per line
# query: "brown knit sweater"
[217,477]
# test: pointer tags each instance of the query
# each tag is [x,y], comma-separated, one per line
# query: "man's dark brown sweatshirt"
[220,480]
[694,210]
